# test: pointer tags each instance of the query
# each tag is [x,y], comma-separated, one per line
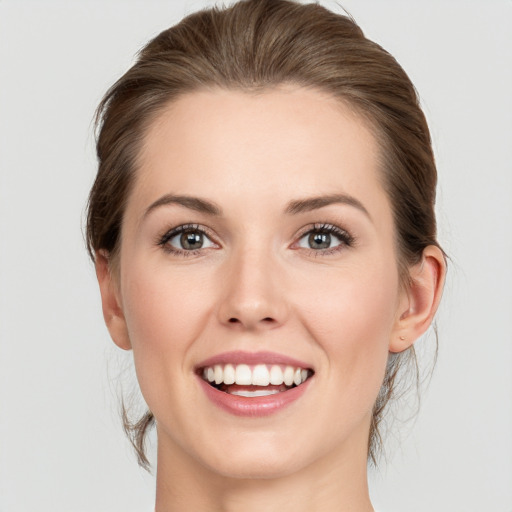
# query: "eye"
[324,237]
[190,240]
[183,239]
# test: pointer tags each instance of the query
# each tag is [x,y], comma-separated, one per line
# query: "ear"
[110,302]
[419,302]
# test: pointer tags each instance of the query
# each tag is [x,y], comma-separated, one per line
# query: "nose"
[253,293]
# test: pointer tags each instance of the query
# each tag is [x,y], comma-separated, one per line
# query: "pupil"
[319,240]
[191,241]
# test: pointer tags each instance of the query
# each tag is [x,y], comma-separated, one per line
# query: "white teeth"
[259,375]
[288,375]
[218,373]
[257,392]
[243,375]
[229,374]
[276,375]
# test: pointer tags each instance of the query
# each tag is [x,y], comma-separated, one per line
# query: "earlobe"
[421,300]
[110,302]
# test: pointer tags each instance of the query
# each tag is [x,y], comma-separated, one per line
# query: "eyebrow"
[293,208]
[193,203]
[314,203]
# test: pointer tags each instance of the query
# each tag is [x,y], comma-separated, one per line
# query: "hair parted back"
[252,46]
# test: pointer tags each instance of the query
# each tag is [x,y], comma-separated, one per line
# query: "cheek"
[165,312]
[352,318]
[158,305]
[352,301]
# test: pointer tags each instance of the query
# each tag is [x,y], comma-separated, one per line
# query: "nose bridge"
[252,296]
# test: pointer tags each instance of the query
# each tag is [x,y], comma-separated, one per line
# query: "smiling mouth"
[254,381]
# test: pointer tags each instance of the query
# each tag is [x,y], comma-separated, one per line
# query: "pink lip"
[256,406]
[252,358]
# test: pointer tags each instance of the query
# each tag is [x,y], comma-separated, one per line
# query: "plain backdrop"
[61,444]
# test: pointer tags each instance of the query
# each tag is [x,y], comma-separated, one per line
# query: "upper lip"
[253,358]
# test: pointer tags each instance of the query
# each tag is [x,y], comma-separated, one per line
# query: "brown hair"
[253,45]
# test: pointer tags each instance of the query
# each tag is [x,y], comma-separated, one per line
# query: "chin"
[257,459]
[256,468]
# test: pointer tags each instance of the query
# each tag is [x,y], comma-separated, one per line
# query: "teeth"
[276,375]
[243,375]
[218,373]
[257,392]
[259,375]
[288,375]
[229,374]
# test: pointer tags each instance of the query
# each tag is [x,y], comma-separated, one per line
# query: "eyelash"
[163,241]
[346,239]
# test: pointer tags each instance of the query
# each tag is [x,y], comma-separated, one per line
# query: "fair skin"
[270,271]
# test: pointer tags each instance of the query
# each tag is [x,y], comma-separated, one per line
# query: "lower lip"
[255,406]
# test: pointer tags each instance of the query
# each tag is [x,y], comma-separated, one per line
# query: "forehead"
[276,145]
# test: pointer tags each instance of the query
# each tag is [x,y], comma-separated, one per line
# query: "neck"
[332,483]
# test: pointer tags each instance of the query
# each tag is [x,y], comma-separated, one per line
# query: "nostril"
[250,321]
[267,320]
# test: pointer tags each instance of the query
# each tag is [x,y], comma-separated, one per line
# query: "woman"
[263,229]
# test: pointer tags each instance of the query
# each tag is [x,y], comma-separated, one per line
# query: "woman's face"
[258,245]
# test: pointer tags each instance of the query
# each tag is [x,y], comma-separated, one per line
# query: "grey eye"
[190,240]
[320,239]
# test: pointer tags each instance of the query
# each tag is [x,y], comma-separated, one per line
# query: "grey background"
[61,446]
